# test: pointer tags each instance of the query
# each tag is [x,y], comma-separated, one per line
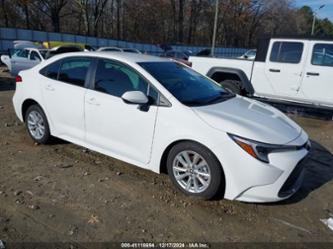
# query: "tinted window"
[74,70]
[323,55]
[188,86]
[287,52]
[51,71]
[116,79]
[35,56]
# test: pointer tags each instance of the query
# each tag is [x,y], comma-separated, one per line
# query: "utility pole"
[215,27]
[314,19]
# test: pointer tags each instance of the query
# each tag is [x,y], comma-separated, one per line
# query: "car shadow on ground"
[318,172]
[7,83]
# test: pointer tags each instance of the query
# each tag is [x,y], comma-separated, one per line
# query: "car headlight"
[261,151]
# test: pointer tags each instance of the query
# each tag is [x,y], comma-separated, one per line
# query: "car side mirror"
[246,57]
[135,97]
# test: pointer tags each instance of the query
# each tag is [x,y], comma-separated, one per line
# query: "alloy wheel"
[191,171]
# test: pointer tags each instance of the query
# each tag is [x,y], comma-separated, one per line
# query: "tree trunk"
[5,13]
[118,18]
[174,22]
[181,21]
[27,15]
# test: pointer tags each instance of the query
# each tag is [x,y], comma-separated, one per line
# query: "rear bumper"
[17,103]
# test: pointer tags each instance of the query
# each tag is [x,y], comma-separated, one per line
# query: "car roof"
[124,56]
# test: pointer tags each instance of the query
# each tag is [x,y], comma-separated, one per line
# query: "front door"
[121,129]
[20,61]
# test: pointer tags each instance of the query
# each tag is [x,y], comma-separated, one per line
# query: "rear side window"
[322,55]
[74,70]
[51,71]
[116,79]
[287,52]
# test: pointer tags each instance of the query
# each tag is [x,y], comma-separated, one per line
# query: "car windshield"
[43,53]
[188,86]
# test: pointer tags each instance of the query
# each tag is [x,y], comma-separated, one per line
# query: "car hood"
[250,119]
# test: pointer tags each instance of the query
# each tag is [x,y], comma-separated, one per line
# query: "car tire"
[37,125]
[233,86]
[201,181]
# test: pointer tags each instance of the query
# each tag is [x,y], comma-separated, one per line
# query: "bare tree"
[240,22]
[53,9]
[92,11]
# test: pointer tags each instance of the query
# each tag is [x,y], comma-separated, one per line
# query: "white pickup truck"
[285,69]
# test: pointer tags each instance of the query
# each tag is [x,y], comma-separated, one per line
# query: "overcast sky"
[326,12]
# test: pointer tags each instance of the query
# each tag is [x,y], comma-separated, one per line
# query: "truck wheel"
[233,86]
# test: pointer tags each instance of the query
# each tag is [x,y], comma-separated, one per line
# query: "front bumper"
[251,180]
[287,184]
[291,164]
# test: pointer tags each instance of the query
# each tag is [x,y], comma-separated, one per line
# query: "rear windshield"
[188,86]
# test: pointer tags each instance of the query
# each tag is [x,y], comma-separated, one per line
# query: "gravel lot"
[63,192]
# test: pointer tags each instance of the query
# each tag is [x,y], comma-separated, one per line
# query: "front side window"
[116,79]
[22,53]
[287,52]
[74,70]
[322,55]
[188,86]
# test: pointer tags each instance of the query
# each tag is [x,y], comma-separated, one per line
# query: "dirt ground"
[63,192]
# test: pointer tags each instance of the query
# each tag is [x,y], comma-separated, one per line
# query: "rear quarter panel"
[29,88]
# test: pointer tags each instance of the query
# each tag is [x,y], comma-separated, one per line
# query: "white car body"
[307,80]
[106,124]
[24,59]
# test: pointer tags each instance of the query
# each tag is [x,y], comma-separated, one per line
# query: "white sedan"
[163,116]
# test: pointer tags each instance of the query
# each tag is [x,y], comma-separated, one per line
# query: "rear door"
[317,85]
[64,91]
[284,66]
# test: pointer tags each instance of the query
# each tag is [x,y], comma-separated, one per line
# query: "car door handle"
[312,74]
[49,88]
[274,70]
[93,101]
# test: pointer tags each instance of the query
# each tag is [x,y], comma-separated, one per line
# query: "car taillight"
[18,79]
